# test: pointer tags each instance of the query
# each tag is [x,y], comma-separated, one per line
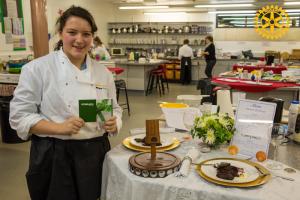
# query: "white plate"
[166,140]
[250,172]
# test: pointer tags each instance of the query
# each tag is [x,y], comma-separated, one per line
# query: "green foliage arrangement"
[214,130]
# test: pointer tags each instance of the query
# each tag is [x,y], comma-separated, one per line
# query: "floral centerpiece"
[214,129]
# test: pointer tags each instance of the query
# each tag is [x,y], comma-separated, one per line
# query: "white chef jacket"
[185,51]
[50,87]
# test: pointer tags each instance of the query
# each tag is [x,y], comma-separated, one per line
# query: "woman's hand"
[70,126]
[110,125]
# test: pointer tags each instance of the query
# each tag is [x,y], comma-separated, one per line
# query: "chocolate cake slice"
[228,172]
[143,141]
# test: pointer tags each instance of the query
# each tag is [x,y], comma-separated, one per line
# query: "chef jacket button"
[63,62]
[69,106]
[67,84]
[76,77]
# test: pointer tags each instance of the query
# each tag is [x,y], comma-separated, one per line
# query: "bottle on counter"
[293,113]
[131,56]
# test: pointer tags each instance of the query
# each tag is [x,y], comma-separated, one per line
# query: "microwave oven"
[117,51]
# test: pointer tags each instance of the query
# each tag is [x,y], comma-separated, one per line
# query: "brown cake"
[227,171]
[143,141]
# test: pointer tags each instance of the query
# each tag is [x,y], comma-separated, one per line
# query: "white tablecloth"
[118,183]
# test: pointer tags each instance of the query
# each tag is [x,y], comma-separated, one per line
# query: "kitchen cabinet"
[162,36]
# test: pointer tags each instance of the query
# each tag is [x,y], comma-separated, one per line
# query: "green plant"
[213,129]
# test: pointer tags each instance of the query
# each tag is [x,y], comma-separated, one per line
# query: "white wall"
[232,40]
[228,40]
[101,11]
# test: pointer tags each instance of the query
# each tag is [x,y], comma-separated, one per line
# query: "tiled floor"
[14,157]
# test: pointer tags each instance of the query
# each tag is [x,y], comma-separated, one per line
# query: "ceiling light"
[236,15]
[232,11]
[292,3]
[222,5]
[164,13]
[141,7]
[293,10]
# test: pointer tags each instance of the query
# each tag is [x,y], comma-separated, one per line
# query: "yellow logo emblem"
[271,22]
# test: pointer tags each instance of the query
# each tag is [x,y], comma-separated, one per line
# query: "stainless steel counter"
[133,63]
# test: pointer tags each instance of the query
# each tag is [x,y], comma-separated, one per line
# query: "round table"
[119,183]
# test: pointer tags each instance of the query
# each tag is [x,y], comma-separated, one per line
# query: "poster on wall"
[11,16]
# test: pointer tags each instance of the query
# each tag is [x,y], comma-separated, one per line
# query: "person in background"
[67,153]
[210,55]
[99,50]
[185,56]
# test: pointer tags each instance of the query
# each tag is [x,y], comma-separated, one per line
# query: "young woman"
[100,50]
[66,153]
[210,56]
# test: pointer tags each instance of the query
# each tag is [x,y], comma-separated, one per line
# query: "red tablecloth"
[276,70]
[246,87]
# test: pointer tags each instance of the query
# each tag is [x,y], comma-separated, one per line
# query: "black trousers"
[209,67]
[186,70]
[66,169]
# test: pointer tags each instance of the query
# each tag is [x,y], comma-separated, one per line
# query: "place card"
[90,109]
[253,123]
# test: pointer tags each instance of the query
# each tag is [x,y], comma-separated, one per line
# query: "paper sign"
[90,109]
[253,123]
[252,137]
[259,111]
[87,110]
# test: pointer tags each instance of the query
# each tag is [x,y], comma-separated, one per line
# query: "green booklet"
[89,109]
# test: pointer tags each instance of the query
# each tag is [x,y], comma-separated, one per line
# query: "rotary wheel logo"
[272,22]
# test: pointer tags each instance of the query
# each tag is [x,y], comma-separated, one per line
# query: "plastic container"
[8,134]
[293,113]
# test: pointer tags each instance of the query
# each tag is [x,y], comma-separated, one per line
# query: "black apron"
[66,169]
[185,71]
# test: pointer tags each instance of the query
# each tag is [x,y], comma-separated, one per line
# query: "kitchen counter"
[134,63]
[136,74]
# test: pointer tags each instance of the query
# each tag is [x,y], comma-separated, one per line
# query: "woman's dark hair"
[186,41]
[73,11]
[97,39]
[210,38]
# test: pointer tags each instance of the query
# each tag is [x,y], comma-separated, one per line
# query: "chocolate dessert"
[143,141]
[227,171]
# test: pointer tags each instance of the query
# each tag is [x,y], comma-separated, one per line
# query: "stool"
[164,69]
[157,76]
[121,85]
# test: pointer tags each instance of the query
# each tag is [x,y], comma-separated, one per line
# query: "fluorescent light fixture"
[232,11]
[165,13]
[292,10]
[292,3]
[236,15]
[141,7]
[222,5]
[237,18]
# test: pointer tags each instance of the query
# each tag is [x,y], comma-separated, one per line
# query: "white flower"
[210,136]
[224,122]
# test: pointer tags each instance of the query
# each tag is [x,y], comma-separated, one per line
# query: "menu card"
[90,109]
[253,123]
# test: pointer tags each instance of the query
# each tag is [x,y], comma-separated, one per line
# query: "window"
[248,20]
